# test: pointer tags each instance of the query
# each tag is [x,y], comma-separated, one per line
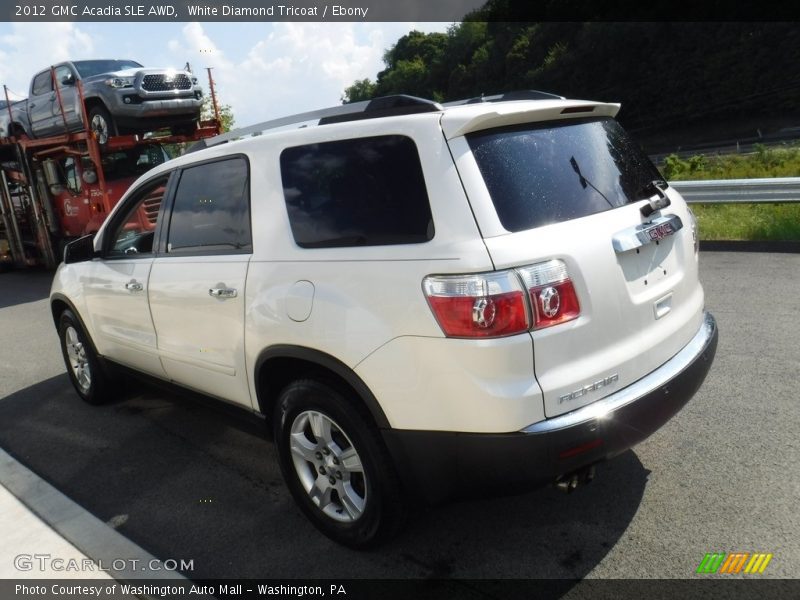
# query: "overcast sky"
[263,70]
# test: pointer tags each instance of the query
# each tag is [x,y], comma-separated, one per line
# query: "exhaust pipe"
[570,482]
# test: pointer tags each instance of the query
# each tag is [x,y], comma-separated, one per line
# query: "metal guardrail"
[740,191]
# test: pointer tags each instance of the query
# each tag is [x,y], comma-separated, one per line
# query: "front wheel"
[83,366]
[101,124]
[336,466]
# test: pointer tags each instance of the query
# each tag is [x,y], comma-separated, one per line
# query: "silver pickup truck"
[121,97]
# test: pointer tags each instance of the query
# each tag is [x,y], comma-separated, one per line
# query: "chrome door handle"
[223,292]
[134,286]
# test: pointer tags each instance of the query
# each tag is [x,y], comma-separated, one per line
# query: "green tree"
[416,65]
[227,120]
[362,89]
[678,83]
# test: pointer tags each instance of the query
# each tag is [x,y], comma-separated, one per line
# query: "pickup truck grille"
[164,83]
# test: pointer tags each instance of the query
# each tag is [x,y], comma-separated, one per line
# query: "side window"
[41,84]
[133,235]
[71,174]
[76,173]
[359,192]
[211,212]
[64,76]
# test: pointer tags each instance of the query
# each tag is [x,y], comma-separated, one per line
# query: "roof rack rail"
[507,96]
[385,106]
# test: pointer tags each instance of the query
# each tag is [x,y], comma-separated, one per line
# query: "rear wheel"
[83,366]
[101,124]
[336,466]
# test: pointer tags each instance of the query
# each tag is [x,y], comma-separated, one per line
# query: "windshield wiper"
[657,185]
[585,182]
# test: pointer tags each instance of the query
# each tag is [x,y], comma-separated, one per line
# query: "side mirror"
[80,250]
[68,80]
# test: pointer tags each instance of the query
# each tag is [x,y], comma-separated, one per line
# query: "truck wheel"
[335,465]
[83,367]
[101,124]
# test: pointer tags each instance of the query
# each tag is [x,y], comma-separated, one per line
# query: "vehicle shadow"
[20,287]
[187,481]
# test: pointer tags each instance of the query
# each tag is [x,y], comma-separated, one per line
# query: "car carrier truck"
[59,187]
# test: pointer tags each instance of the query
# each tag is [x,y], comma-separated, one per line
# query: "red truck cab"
[78,198]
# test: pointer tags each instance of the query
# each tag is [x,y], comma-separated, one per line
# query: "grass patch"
[755,222]
[780,161]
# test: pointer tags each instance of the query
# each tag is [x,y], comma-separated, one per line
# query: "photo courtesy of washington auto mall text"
[168,589]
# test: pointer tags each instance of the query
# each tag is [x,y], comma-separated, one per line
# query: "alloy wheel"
[328,466]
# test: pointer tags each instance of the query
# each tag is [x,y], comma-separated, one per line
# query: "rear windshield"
[541,174]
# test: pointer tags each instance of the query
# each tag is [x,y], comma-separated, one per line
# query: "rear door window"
[360,192]
[538,174]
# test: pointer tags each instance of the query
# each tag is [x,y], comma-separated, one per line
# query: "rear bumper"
[439,465]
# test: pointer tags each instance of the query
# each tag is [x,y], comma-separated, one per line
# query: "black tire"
[83,367]
[101,124]
[356,509]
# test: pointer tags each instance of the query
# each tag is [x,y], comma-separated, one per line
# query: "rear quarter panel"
[363,297]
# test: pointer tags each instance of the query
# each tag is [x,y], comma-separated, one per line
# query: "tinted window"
[41,84]
[212,208]
[537,175]
[362,192]
[134,233]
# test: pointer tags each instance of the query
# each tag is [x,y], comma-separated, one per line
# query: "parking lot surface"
[186,481]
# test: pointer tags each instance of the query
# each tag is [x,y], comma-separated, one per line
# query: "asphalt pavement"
[185,481]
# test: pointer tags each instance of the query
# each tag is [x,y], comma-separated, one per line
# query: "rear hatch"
[573,190]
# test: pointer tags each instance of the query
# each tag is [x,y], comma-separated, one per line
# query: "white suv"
[423,300]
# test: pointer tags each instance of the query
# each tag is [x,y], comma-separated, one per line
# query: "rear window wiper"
[585,182]
[654,204]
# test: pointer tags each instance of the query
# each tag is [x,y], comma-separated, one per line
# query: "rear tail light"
[478,306]
[502,303]
[552,294]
